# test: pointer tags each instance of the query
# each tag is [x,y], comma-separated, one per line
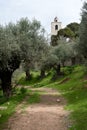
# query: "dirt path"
[48,114]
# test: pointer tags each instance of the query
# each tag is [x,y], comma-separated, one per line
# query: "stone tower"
[55,26]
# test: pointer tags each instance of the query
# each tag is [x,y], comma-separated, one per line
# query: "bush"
[69,69]
[23,90]
[85,67]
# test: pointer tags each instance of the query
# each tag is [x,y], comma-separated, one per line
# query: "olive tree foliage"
[73,53]
[21,42]
[34,44]
[10,56]
[83,32]
[65,51]
[60,54]
[48,62]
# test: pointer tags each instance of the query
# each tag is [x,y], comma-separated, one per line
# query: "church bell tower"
[55,26]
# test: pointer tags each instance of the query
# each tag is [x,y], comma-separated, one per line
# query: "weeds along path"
[48,114]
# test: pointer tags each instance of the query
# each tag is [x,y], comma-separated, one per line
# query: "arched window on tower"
[56,27]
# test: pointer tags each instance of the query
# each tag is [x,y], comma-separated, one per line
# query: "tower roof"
[55,19]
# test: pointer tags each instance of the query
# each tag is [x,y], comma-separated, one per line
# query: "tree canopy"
[20,42]
[71,31]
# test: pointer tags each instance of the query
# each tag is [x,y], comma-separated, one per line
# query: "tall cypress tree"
[83,32]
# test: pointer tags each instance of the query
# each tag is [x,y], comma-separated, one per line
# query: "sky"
[44,11]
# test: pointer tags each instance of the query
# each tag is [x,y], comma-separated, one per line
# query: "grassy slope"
[72,86]
[11,104]
[74,90]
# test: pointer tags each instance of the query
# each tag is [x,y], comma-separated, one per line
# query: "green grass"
[33,98]
[76,94]
[73,86]
[75,91]
[11,104]
[35,81]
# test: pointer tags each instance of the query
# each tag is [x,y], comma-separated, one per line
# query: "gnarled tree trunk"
[6,83]
[28,75]
[58,69]
[42,73]
[73,60]
[27,65]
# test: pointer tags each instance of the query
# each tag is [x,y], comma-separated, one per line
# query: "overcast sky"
[43,10]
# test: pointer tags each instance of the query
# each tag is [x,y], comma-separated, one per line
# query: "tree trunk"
[73,60]
[58,69]
[63,63]
[28,75]
[42,74]
[6,84]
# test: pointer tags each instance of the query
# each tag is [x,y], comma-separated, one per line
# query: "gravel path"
[49,114]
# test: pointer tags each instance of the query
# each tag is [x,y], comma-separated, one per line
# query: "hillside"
[72,86]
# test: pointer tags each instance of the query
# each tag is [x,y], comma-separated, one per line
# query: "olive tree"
[33,43]
[60,54]
[10,56]
[20,42]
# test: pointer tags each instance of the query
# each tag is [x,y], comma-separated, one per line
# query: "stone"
[58,100]
[3,108]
